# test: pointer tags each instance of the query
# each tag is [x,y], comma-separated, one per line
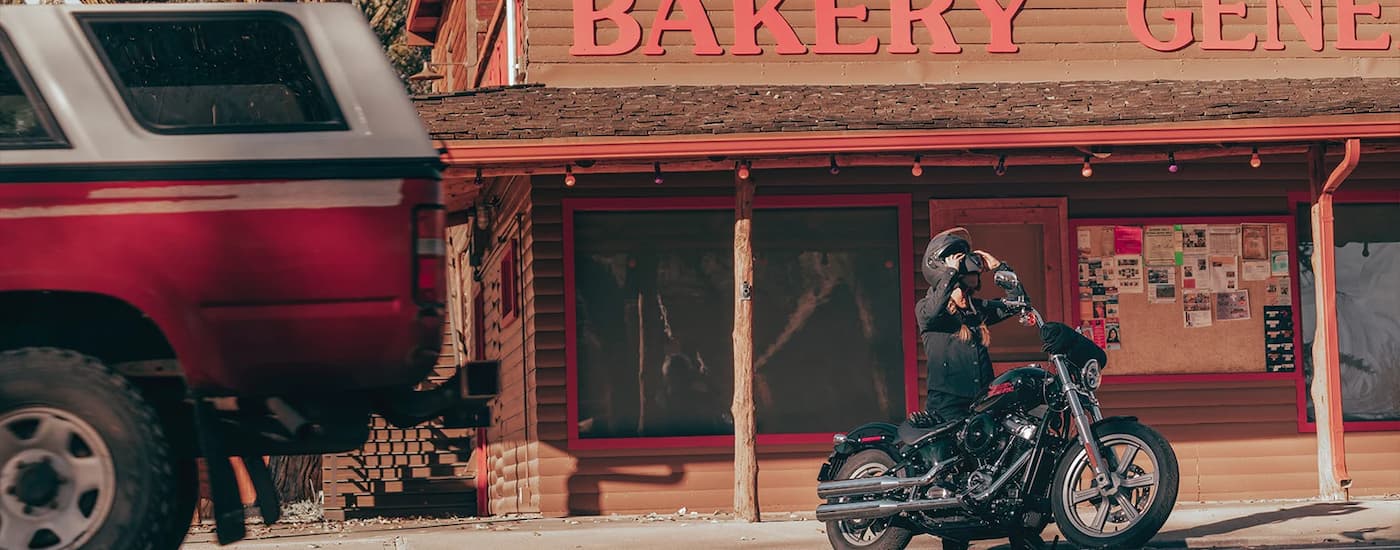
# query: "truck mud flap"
[223,487]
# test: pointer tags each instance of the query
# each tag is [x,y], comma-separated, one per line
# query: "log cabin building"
[1157,172]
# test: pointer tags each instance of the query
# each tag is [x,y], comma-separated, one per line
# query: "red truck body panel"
[260,286]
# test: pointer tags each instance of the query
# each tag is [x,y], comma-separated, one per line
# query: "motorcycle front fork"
[1103,472]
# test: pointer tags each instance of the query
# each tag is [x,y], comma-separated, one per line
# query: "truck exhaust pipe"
[873,509]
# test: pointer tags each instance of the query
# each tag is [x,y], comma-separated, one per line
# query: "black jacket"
[956,367]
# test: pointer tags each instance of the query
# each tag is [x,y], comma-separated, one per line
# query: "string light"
[479,181]
[1088,169]
[657,179]
[1001,166]
[834,168]
[1171,163]
[744,170]
[918,169]
[569,180]
[1254,160]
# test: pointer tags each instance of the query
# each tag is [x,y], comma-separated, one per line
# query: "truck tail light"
[430,254]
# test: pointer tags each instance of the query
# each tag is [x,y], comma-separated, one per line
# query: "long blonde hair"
[958,300]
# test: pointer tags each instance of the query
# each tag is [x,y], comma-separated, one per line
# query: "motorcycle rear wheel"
[1147,465]
[870,534]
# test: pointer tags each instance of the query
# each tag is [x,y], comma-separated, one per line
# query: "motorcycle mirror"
[1007,280]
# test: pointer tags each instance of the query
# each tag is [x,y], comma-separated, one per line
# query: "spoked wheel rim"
[864,532]
[1135,469]
[57,481]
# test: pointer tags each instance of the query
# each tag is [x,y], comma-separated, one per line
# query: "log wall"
[1055,40]
[1237,440]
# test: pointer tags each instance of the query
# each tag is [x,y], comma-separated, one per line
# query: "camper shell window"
[215,73]
[25,121]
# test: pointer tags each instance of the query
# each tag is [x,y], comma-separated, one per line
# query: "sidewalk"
[1369,524]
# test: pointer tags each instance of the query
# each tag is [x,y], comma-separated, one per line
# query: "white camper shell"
[200,90]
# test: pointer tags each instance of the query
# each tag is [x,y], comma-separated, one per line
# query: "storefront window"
[654,317]
[1368,297]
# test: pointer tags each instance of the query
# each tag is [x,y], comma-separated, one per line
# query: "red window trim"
[1296,198]
[901,201]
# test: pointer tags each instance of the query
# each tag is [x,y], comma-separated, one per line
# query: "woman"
[953,324]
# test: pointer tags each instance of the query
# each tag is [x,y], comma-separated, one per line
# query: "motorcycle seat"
[910,434]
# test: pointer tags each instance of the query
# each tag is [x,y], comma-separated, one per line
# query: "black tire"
[177,525]
[867,462]
[1160,495]
[82,397]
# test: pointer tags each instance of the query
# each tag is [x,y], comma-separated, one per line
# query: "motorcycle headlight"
[1092,375]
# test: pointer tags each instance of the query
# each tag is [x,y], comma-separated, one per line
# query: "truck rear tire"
[83,461]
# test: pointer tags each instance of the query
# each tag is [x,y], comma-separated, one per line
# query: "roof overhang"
[504,157]
[421,24]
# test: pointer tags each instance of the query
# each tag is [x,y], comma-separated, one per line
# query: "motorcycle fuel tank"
[1024,387]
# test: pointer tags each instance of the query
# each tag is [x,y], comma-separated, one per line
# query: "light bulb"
[1088,169]
[918,169]
[834,168]
[569,180]
[744,170]
[657,179]
[1254,160]
[1001,166]
[1171,163]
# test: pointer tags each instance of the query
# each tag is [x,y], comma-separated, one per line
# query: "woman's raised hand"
[991,261]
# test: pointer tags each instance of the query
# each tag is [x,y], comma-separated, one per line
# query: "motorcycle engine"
[986,438]
[981,435]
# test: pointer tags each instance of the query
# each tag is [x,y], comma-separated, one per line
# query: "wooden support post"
[745,453]
[1333,479]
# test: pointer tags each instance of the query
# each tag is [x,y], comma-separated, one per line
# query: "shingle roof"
[535,112]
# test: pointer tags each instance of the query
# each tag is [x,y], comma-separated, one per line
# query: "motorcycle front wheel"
[1146,468]
[866,534]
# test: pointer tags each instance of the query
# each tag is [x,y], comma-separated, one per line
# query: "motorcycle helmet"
[947,243]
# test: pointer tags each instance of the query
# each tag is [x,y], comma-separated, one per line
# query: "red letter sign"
[903,16]
[747,20]
[696,21]
[1347,10]
[585,24]
[1000,20]
[1211,13]
[1308,21]
[1137,21]
[827,39]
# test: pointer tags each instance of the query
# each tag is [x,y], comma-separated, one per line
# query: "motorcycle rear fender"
[877,435]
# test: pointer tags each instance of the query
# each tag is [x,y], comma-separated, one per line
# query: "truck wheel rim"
[867,531]
[57,481]
[1136,472]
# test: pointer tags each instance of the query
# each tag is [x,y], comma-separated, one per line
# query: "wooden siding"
[511,458]
[1061,40]
[426,470]
[459,41]
[1234,440]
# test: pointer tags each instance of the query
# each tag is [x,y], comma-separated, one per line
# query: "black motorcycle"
[1035,448]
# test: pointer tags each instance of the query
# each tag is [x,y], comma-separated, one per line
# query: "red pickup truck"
[221,235]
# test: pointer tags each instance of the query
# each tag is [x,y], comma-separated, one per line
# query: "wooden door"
[1030,234]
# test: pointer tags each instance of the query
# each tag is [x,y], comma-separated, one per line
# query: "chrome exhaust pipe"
[873,485]
[873,509]
[868,486]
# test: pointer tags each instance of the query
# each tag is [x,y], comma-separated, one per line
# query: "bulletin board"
[1188,295]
